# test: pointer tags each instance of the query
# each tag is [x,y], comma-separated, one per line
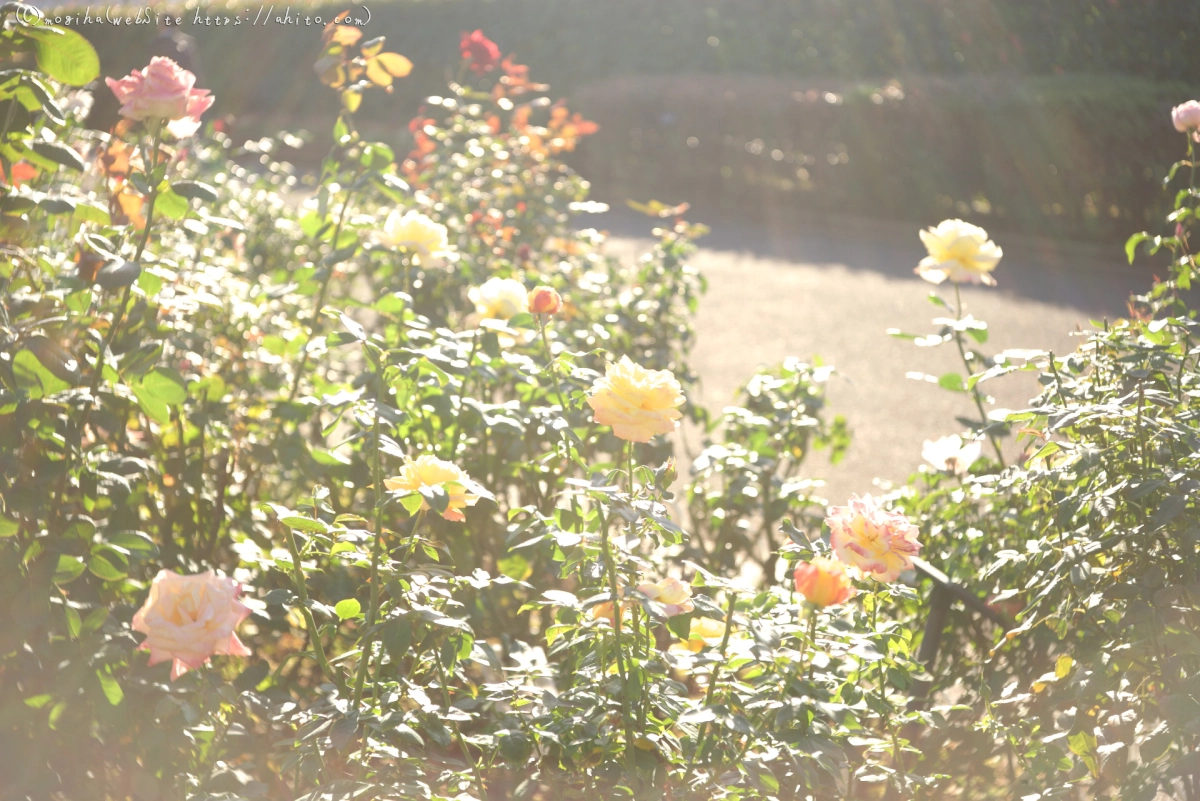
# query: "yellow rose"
[958,251]
[430,471]
[637,403]
[878,542]
[415,233]
[673,595]
[704,631]
[951,454]
[499,299]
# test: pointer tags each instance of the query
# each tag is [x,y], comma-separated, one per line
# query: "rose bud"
[544,300]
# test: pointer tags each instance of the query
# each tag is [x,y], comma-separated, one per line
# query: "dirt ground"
[833,289]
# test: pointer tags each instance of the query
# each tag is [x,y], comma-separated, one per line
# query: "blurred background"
[1047,117]
[814,136]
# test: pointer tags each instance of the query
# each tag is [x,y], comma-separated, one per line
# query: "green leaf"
[32,376]
[8,527]
[953,382]
[111,687]
[165,385]
[60,154]
[348,608]
[74,624]
[515,566]
[64,55]
[171,205]
[195,190]
[69,568]
[103,567]
[1132,242]
[1083,745]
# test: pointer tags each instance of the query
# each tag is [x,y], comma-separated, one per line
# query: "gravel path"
[833,289]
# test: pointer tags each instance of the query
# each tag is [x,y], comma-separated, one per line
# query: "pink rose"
[1186,116]
[187,619]
[880,543]
[161,91]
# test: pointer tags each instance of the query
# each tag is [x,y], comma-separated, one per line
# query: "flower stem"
[462,743]
[702,740]
[309,623]
[552,363]
[610,567]
[462,393]
[376,552]
[983,420]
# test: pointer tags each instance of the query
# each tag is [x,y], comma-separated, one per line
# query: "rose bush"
[381,460]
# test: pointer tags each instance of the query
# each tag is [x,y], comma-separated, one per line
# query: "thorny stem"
[552,366]
[983,418]
[462,743]
[462,393]
[376,552]
[320,300]
[886,721]
[610,567]
[309,623]
[702,740]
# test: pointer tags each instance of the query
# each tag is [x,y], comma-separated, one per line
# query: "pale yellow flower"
[704,631]
[499,299]
[671,594]
[960,252]
[429,471]
[187,619]
[878,542]
[951,454]
[637,403]
[414,233]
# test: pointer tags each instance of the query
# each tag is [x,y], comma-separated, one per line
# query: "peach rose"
[951,454]
[958,251]
[187,619]
[637,403]
[872,539]
[414,233]
[429,471]
[1186,117]
[673,595]
[162,91]
[704,631]
[823,582]
[544,300]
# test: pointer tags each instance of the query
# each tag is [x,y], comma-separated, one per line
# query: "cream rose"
[187,619]
[414,233]
[960,252]
[872,539]
[499,299]
[429,471]
[162,91]
[637,403]
[951,454]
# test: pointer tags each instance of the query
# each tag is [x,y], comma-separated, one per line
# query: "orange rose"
[544,300]
[823,582]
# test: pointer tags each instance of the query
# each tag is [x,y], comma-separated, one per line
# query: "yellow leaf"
[372,47]
[377,75]
[397,65]
[1063,666]
[351,100]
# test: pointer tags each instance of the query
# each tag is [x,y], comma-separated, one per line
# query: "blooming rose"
[673,595]
[429,471]
[187,619]
[958,251]
[499,298]
[415,233]
[1186,117]
[951,454]
[823,582]
[481,52]
[867,536]
[162,91]
[704,631]
[544,300]
[637,403]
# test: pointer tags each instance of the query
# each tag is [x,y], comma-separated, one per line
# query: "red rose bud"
[480,52]
[544,300]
